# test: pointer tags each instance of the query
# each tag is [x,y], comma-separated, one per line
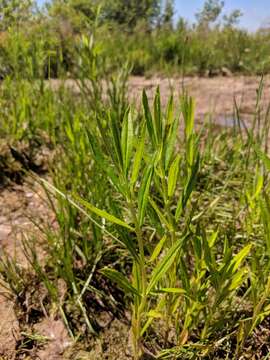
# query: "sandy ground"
[213,96]
[20,203]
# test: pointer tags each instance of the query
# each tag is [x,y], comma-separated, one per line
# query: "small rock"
[3,219]
[226,72]
[104,319]
[5,230]
[56,332]
[29,195]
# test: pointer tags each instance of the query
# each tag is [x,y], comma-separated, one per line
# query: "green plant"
[149,213]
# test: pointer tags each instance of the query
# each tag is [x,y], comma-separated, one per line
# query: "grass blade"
[158,248]
[163,266]
[148,119]
[173,175]
[144,192]
[120,279]
[138,158]
[103,213]
[127,139]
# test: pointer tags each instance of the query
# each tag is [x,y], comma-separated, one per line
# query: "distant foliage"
[143,32]
[132,12]
[210,12]
[14,12]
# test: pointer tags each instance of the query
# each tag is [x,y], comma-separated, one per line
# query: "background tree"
[15,12]
[85,7]
[209,13]
[167,18]
[233,18]
[132,12]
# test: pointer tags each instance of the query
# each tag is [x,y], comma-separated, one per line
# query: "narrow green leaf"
[148,118]
[190,150]
[124,135]
[158,116]
[70,132]
[212,239]
[144,192]
[136,277]
[188,110]
[152,314]
[238,279]
[263,157]
[103,163]
[127,139]
[155,314]
[103,213]
[125,241]
[120,279]
[186,281]
[265,214]
[115,130]
[170,142]
[197,244]
[237,260]
[208,254]
[160,215]
[163,266]
[172,290]
[138,158]
[169,111]
[259,186]
[188,189]
[173,175]
[158,248]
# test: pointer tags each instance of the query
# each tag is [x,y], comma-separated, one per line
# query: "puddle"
[230,122]
[224,121]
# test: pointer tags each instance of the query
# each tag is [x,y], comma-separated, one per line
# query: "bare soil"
[20,203]
[213,96]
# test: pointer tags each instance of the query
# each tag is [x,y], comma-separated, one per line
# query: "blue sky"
[256,12]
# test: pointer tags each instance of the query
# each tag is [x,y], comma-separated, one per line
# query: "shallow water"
[230,122]
[226,121]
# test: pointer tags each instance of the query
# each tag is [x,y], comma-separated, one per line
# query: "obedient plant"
[136,181]
[177,275]
[153,181]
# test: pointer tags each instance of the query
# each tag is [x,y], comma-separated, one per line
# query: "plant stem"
[138,310]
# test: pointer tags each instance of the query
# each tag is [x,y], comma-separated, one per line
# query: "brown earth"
[213,96]
[20,203]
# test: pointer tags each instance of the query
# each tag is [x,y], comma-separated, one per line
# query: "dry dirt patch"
[212,95]
[18,205]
